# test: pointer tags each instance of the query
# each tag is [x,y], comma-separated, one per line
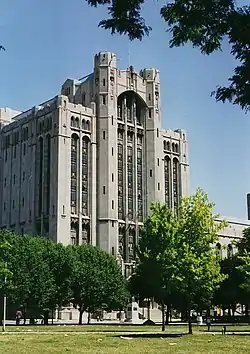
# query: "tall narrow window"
[74,170]
[176,183]
[167,164]
[122,244]
[40,171]
[130,182]
[47,172]
[85,172]
[131,245]
[120,158]
[139,184]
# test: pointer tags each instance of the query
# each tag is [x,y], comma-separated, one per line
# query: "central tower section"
[128,123]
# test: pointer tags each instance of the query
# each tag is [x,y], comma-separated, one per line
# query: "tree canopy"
[205,24]
[177,255]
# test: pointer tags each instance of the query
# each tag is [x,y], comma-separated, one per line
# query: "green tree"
[205,24]
[230,292]
[199,268]
[96,281]
[157,272]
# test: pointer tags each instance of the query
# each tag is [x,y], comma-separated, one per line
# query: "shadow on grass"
[152,335]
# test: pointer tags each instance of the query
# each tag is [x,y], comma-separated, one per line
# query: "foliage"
[97,280]
[244,268]
[230,292]
[205,24]
[244,243]
[177,256]
[45,275]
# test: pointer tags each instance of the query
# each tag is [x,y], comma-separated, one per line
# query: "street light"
[4,299]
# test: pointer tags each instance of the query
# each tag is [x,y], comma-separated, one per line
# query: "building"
[86,165]
[232,233]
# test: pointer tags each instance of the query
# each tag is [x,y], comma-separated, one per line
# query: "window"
[4,206]
[112,151]
[104,190]
[113,204]
[5,182]
[159,186]
[103,82]
[23,176]
[150,113]
[13,204]
[14,152]
[113,224]
[113,251]
[112,120]
[85,175]
[104,135]
[22,201]
[63,209]
[14,179]
[24,149]
[149,96]
[157,132]
[151,173]
[112,177]
[103,99]
[158,162]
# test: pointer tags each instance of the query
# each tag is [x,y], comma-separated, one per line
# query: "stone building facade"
[85,166]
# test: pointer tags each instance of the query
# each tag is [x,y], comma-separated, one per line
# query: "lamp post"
[4,299]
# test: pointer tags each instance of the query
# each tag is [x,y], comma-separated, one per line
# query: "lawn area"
[123,328]
[75,341]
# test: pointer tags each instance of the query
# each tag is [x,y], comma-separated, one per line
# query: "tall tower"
[107,193]
[248,206]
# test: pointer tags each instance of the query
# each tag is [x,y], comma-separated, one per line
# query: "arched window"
[139,184]
[176,148]
[40,176]
[131,244]
[87,125]
[85,175]
[74,172]
[167,169]
[173,147]
[122,243]
[47,172]
[176,183]
[164,145]
[74,232]
[229,251]
[85,234]
[168,146]
[72,121]
[77,123]
[219,250]
[120,162]
[83,124]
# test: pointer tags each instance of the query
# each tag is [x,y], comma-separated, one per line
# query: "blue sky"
[48,41]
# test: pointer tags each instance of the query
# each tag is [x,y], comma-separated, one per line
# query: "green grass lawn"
[76,342]
[122,328]
[109,343]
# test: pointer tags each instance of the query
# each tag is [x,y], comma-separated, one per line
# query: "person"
[18,317]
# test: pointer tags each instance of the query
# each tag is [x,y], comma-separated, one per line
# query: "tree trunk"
[167,314]
[163,318]
[148,310]
[246,310]
[89,317]
[46,318]
[190,329]
[80,316]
